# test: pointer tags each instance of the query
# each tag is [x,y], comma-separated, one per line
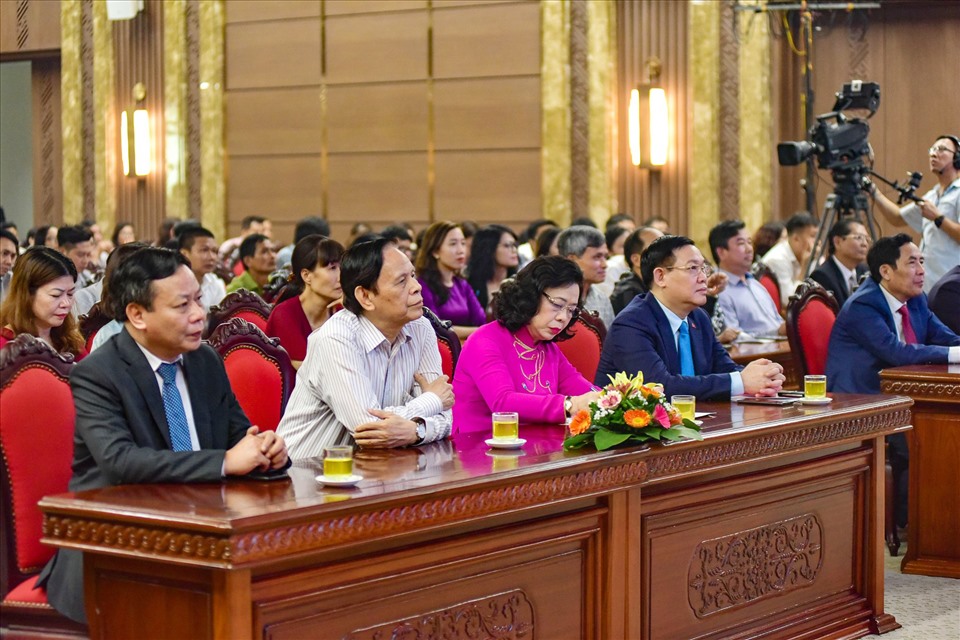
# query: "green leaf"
[673,434]
[578,441]
[604,439]
[687,432]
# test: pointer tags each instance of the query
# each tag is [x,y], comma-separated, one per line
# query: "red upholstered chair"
[583,349]
[447,342]
[91,323]
[239,304]
[766,277]
[811,312]
[36,441]
[259,370]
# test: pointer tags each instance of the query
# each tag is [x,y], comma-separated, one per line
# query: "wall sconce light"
[648,126]
[135,142]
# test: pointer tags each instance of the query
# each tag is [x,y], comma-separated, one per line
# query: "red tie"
[908,335]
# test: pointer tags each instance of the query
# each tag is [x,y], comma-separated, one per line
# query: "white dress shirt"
[784,264]
[155,363]
[212,291]
[953,354]
[351,367]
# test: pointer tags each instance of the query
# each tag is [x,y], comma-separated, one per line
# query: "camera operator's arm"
[948,226]
[887,207]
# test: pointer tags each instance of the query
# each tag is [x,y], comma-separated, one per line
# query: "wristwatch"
[939,220]
[421,430]
[567,406]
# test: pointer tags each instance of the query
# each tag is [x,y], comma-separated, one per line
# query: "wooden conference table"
[771,527]
[743,353]
[933,537]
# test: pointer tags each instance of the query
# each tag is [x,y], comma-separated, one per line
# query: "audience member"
[46,236]
[8,256]
[583,221]
[114,326]
[745,303]
[788,258]
[76,243]
[623,220]
[440,260]
[587,248]
[767,236]
[513,364]
[165,231]
[659,223]
[230,249]
[39,301]
[123,233]
[945,299]
[666,335]
[630,284]
[372,374]
[311,297]
[840,273]
[528,239]
[199,247]
[547,242]
[937,216]
[617,265]
[154,404]
[492,259]
[309,226]
[357,230]
[470,229]
[401,236]
[886,323]
[259,259]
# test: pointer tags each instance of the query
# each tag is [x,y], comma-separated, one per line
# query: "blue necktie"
[686,355]
[173,407]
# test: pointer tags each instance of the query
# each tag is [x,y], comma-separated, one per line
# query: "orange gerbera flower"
[580,422]
[637,418]
[650,391]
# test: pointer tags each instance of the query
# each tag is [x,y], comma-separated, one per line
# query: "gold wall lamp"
[135,144]
[648,122]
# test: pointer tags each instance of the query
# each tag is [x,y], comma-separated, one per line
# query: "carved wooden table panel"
[933,541]
[770,526]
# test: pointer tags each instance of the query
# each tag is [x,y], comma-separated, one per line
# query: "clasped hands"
[263,451]
[390,431]
[762,378]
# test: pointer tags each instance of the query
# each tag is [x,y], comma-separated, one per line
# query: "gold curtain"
[175,107]
[601,68]
[555,121]
[705,106]
[212,190]
[756,121]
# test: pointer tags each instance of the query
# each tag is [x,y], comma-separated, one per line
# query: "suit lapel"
[197,390]
[671,356]
[696,339]
[146,380]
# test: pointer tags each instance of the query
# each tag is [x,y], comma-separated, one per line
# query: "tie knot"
[168,372]
[684,330]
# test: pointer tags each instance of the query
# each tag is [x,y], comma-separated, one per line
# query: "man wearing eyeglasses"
[936,216]
[745,303]
[666,335]
[840,273]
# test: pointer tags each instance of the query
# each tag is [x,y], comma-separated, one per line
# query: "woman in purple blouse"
[512,364]
[442,255]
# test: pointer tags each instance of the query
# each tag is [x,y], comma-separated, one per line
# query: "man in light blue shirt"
[937,216]
[745,302]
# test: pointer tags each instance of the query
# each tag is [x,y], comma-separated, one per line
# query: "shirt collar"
[674,320]
[371,337]
[734,278]
[892,301]
[154,361]
[846,273]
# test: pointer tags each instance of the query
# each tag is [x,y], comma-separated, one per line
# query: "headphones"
[956,145]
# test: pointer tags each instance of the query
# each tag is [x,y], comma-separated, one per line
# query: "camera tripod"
[839,207]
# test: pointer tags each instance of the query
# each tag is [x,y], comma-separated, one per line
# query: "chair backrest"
[36,441]
[447,342]
[91,323]
[259,370]
[766,277]
[279,281]
[239,304]
[811,312]
[583,349]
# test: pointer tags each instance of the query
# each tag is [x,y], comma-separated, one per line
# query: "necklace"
[537,356]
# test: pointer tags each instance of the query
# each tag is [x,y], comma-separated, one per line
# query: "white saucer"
[347,481]
[806,400]
[505,444]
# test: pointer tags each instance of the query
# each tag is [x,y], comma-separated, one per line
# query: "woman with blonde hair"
[39,302]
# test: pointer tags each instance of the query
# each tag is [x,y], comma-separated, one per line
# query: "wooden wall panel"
[488,40]
[487,113]
[488,186]
[345,7]
[258,10]
[379,117]
[47,142]
[273,54]
[29,27]
[281,188]
[274,121]
[377,48]
[377,187]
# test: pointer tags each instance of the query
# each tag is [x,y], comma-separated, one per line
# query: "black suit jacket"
[944,299]
[829,276]
[121,437]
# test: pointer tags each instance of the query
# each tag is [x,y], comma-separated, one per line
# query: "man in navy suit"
[945,299]
[847,244]
[126,430]
[886,323]
[648,335]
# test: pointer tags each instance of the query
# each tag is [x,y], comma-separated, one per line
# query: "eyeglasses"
[940,149]
[694,269]
[859,237]
[572,310]
[509,245]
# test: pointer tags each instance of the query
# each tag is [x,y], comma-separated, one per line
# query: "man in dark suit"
[886,323]
[648,335]
[945,299]
[154,403]
[847,244]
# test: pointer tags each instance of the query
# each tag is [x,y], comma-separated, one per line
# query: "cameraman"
[936,216]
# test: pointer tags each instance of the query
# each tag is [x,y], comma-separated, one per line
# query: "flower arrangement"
[628,412]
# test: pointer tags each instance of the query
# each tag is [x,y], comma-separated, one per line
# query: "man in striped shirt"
[372,374]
